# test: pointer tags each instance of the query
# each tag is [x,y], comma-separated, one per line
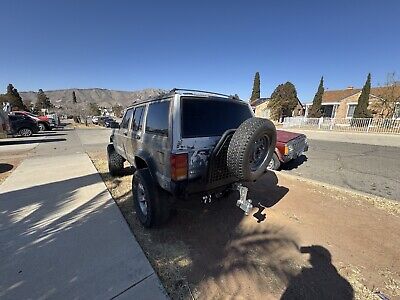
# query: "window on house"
[350,110]
[396,114]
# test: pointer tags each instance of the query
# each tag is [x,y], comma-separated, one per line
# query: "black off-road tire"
[275,163]
[115,161]
[242,144]
[157,199]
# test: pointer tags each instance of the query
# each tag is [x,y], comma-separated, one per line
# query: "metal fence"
[353,125]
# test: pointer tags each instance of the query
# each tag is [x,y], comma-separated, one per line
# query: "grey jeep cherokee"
[189,142]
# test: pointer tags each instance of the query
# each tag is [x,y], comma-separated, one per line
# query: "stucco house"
[342,103]
[260,107]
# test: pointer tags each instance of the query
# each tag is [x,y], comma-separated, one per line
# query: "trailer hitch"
[243,203]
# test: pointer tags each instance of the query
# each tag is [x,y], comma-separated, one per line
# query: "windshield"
[212,117]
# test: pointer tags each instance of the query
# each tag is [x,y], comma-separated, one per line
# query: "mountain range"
[102,97]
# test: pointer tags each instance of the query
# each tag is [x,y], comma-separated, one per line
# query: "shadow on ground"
[213,251]
[295,163]
[50,133]
[38,222]
[29,141]
[4,167]
[319,281]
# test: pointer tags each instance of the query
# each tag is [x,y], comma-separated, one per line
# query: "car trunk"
[286,136]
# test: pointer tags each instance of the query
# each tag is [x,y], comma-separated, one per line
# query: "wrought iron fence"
[354,125]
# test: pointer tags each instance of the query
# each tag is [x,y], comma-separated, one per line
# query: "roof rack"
[189,91]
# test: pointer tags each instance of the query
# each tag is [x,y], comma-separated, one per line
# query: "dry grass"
[173,259]
[169,259]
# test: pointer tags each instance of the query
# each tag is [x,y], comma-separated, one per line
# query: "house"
[340,104]
[261,110]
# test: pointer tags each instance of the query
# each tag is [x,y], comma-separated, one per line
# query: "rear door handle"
[137,136]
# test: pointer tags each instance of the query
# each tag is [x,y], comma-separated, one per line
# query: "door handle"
[137,136]
[125,133]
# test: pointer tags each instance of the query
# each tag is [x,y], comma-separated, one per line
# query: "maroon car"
[289,146]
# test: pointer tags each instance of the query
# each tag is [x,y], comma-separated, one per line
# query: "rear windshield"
[211,117]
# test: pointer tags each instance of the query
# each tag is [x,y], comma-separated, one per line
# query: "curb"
[337,188]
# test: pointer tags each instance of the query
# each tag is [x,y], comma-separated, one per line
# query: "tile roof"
[338,95]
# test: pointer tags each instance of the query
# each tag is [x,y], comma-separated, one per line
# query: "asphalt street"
[370,169]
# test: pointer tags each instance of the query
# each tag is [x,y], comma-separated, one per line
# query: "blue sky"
[212,45]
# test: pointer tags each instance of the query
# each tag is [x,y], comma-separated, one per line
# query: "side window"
[157,118]
[126,119]
[137,117]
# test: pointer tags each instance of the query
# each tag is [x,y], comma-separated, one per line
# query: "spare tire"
[251,148]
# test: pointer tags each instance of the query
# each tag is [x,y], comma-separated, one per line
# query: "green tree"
[256,88]
[12,96]
[283,101]
[94,109]
[117,109]
[42,102]
[315,109]
[361,110]
[74,97]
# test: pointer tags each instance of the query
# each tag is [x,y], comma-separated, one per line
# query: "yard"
[303,239]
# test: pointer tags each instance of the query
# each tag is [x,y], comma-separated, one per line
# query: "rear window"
[211,117]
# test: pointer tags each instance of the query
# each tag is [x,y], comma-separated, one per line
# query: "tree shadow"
[295,163]
[319,281]
[213,251]
[56,227]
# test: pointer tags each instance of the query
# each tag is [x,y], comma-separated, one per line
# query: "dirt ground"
[9,162]
[304,241]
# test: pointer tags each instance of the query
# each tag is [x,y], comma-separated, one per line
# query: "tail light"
[286,152]
[179,166]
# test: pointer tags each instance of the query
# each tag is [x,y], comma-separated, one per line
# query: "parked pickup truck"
[289,146]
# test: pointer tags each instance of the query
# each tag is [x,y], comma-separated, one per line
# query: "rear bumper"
[295,154]
[186,189]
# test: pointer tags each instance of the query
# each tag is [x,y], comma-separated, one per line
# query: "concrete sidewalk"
[392,140]
[63,237]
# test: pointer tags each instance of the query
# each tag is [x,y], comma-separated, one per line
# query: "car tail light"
[286,150]
[179,166]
